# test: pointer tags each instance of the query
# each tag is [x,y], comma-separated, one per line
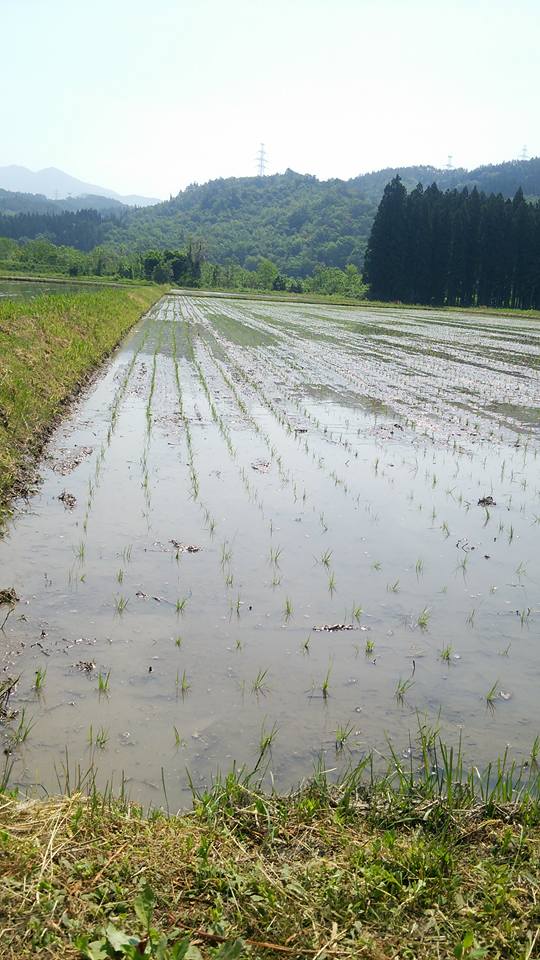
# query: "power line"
[262,161]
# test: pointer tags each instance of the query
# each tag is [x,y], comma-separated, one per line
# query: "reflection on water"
[246,481]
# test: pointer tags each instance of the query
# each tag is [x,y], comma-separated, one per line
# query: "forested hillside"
[296,221]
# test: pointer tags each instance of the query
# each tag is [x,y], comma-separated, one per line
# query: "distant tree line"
[456,248]
[83,229]
[161,266]
[186,268]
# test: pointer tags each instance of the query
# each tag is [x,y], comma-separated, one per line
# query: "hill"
[293,219]
[54,183]
[296,220]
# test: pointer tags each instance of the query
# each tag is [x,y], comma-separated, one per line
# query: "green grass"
[419,862]
[48,347]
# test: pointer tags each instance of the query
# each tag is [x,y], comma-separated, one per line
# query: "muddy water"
[245,474]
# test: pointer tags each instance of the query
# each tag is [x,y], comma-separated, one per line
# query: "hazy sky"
[146,96]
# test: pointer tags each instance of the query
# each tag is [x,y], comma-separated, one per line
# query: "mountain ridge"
[54,184]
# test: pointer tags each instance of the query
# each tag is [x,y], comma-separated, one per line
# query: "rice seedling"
[357,612]
[104,682]
[403,686]
[306,643]
[267,738]
[23,729]
[259,684]
[332,583]
[182,682]
[126,553]
[369,647]
[446,653]
[178,641]
[524,616]
[471,617]
[178,740]
[419,567]
[120,576]
[275,554]
[102,738]
[393,587]
[325,558]
[342,734]
[120,604]
[80,551]
[376,565]
[181,604]
[325,686]
[288,609]
[423,618]
[39,679]
[491,696]
[226,553]
[521,569]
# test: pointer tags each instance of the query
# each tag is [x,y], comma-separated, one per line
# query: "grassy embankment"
[48,347]
[436,867]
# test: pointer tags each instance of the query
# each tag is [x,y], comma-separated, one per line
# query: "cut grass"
[355,869]
[48,347]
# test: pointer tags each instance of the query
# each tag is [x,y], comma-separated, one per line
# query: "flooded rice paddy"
[293,530]
[30,289]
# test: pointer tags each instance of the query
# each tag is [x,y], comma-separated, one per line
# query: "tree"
[385,256]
